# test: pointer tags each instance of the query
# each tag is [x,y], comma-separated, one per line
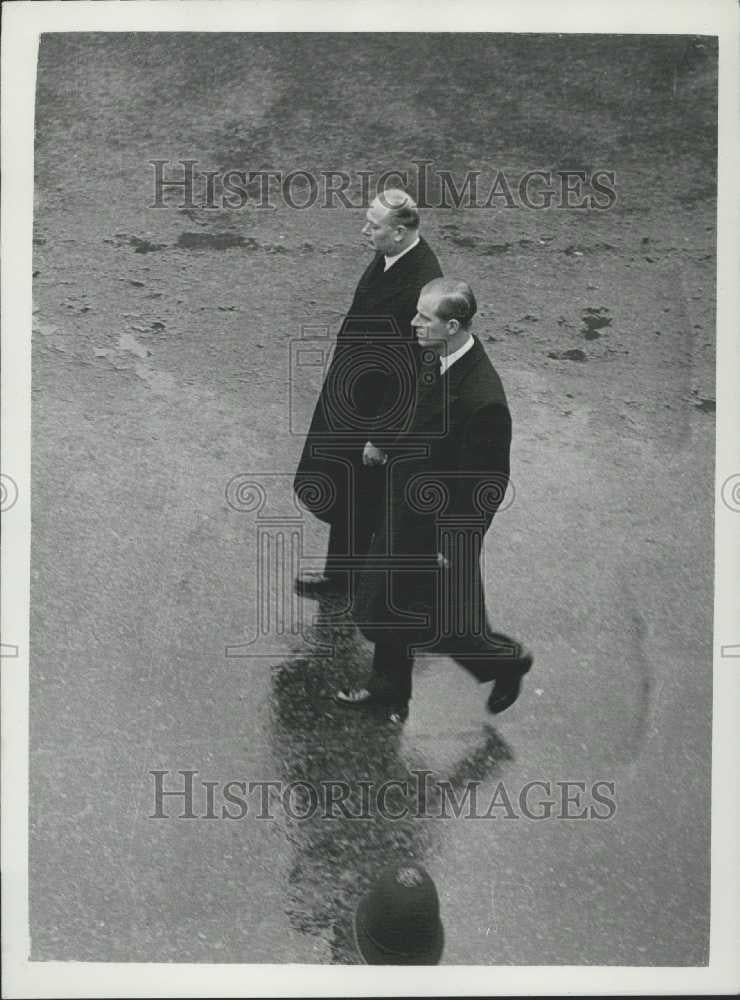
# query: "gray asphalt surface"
[160,376]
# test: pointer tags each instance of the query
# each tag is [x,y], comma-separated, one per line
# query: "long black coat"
[368,392]
[448,474]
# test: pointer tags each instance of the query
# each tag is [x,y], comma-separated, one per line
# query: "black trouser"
[351,532]
[496,657]
[348,548]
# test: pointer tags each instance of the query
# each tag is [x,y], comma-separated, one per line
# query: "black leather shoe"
[505,692]
[318,585]
[398,714]
[355,697]
[362,698]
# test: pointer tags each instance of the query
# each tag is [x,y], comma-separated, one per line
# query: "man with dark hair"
[422,589]
[368,392]
[455,301]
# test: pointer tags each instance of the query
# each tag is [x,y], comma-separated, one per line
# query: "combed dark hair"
[402,207]
[456,300]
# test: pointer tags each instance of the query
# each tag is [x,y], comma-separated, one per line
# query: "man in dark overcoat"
[368,393]
[421,588]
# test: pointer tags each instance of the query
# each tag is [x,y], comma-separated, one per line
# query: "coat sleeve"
[477,486]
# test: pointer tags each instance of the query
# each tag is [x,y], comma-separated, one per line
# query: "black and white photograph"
[370,499]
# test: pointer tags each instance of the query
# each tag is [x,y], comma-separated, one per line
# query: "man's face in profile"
[380,230]
[430,330]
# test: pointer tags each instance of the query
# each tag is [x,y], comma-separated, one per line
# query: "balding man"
[422,590]
[368,391]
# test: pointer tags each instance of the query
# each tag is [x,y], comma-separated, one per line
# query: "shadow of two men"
[359,795]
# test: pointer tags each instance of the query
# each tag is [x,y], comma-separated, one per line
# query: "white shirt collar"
[390,261]
[450,359]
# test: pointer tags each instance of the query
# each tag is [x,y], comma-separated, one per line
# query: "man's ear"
[399,233]
[453,326]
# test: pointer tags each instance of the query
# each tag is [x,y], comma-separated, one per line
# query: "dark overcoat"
[447,475]
[369,389]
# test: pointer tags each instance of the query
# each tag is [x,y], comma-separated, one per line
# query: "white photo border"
[22,24]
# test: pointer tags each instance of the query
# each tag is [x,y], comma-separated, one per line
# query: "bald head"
[400,206]
[392,222]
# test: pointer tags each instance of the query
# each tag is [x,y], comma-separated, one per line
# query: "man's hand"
[442,561]
[372,455]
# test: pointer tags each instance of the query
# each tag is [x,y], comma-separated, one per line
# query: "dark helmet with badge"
[397,922]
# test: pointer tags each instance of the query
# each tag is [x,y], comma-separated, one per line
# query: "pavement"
[163,387]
